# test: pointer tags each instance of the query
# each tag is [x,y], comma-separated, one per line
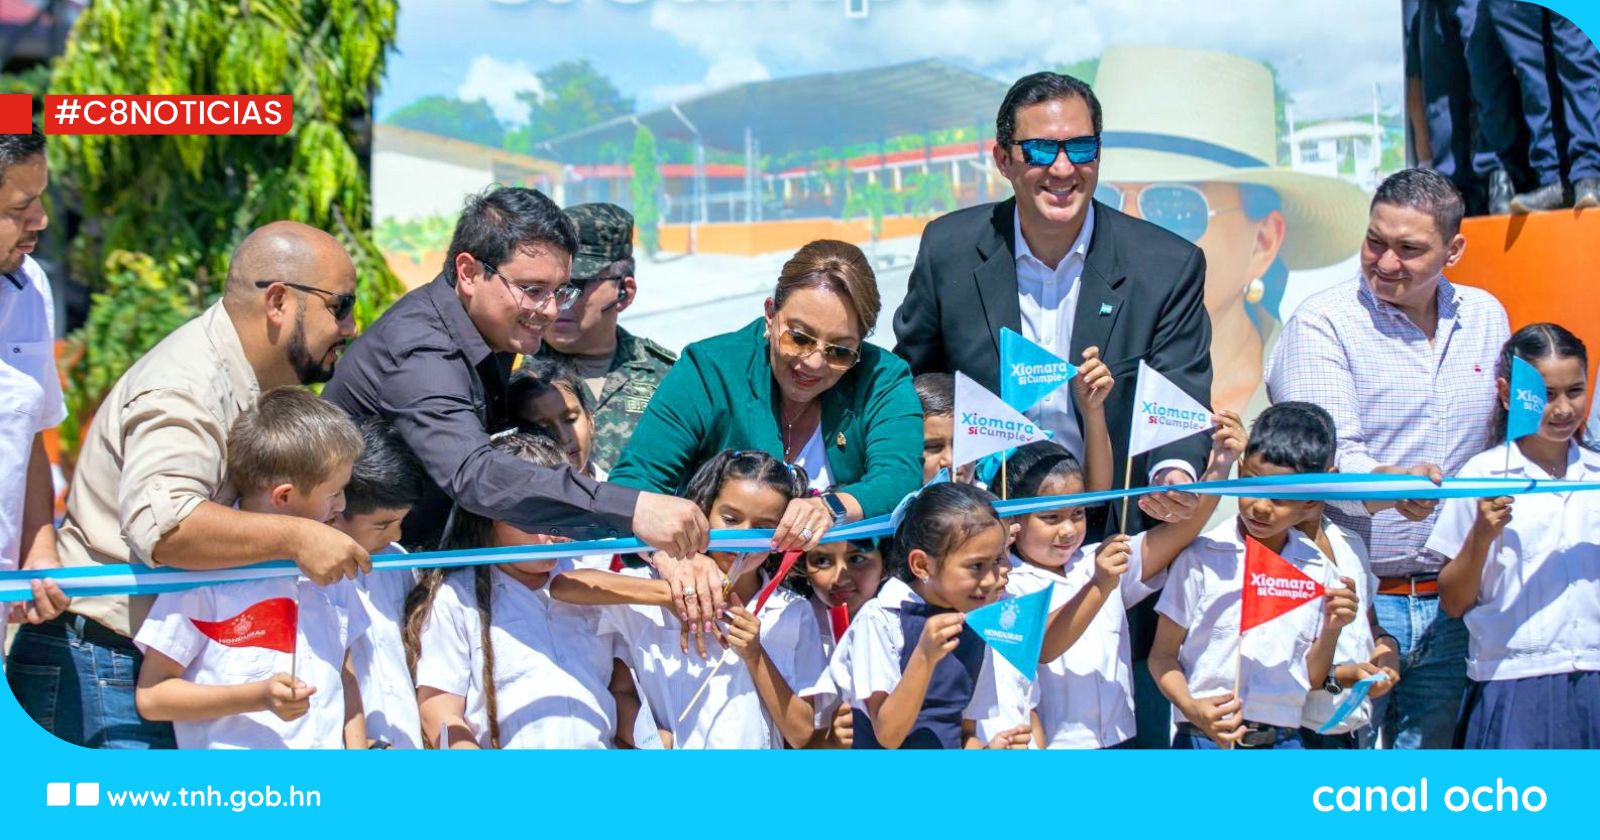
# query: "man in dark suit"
[1069,273]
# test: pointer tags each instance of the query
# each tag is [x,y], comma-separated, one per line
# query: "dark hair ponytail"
[744,465]
[939,521]
[1531,344]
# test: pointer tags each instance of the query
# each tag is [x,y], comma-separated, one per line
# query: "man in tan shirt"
[150,485]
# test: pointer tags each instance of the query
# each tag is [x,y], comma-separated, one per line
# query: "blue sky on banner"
[660,51]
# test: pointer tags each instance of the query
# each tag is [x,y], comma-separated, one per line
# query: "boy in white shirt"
[1225,690]
[1363,649]
[385,483]
[289,455]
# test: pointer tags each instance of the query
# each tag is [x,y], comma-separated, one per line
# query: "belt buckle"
[1258,735]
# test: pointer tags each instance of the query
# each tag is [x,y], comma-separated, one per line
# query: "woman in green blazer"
[800,384]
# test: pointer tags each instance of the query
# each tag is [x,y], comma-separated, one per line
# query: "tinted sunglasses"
[341,305]
[1043,151]
[793,342]
[1180,208]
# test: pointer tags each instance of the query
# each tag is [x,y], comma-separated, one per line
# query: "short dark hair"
[498,223]
[937,391]
[1042,87]
[387,475]
[539,374]
[1427,191]
[16,148]
[1296,436]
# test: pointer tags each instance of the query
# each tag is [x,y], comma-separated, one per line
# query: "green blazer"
[720,395]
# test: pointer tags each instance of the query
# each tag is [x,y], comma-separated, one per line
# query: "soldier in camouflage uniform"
[622,370]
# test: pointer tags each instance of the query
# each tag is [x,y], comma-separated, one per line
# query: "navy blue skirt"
[1554,712]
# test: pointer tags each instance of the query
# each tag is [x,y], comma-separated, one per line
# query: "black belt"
[1255,734]
[91,631]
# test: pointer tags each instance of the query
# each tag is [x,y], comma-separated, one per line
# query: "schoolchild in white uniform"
[1083,694]
[385,483]
[754,699]
[547,397]
[1363,648]
[1528,587]
[291,455]
[912,672]
[1198,653]
[833,576]
[499,663]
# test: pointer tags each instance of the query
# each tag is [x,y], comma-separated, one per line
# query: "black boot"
[1500,192]
[1547,197]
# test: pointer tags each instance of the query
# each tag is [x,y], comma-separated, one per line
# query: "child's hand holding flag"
[1093,383]
[285,696]
[1228,441]
[1111,562]
[1339,606]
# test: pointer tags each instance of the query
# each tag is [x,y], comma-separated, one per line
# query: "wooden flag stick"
[1238,672]
[703,686]
[1127,481]
[1494,550]
[1003,487]
[294,649]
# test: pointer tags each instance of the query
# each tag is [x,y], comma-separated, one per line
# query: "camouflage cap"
[605,235]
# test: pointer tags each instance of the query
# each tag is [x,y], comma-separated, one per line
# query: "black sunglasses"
[1043,151]
[341,305]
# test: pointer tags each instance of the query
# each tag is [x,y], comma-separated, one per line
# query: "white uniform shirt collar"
[1079,249]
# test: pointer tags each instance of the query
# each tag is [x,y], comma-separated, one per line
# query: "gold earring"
[1255,290]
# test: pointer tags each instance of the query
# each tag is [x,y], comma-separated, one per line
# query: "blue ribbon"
[138,579]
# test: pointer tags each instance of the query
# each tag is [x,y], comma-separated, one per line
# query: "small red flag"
[269,624]
[789,559]
[1272,586]
[839,617]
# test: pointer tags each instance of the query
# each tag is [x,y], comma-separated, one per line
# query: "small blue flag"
[1352,699]
[1105,309]
[1015,628]
[1527,398]
[1028,372]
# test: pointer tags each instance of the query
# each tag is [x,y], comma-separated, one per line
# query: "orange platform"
[1542,266]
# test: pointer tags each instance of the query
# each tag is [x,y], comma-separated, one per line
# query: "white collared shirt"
[729,714]
[21,410]
[388,697]
[552,668]
[1355,642]
[1395,396]
[1204,592]
[28,334]
[1538,607]
[867,662]
[1048,299]
[1049,303]
[329,619]
[1085,696]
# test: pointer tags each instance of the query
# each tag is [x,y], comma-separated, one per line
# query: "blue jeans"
[80,691]
[1420,713]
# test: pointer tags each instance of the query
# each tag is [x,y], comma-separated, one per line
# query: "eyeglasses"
[1043,151]
[341,305]
[564,294]
[581,285]
[793,342]
[1180,208]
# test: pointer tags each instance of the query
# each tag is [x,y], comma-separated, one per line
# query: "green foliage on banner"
[414,237]
[646,188]
[161,215]
[874,201]
[572,95]
[447,116]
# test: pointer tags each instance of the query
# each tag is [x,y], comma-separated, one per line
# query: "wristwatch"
[835,506]
[1331,684]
